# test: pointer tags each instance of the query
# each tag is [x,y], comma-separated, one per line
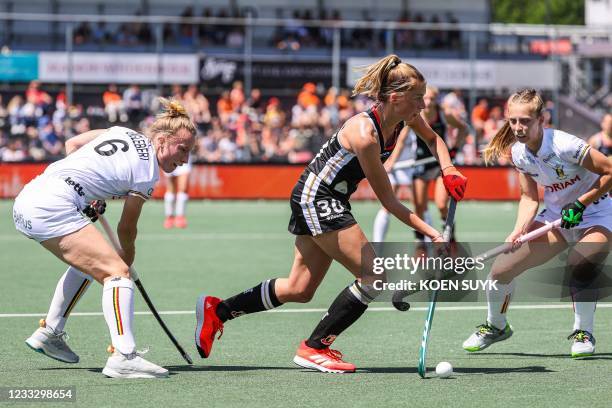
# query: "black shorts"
[315,209]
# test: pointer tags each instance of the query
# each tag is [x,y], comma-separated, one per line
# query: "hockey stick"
[115,242]
[406,164]
[422,367]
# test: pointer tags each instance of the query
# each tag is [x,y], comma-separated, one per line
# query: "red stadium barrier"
[272,181]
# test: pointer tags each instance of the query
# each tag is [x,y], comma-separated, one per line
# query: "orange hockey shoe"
[325,360]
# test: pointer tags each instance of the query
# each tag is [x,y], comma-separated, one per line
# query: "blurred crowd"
[293,35]
[235,127]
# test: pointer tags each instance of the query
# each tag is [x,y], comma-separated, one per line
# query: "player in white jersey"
[576,180]
[176,197]
[53,209]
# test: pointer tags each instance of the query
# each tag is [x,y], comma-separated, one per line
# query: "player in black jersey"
[440,119]
[602,141]
[322,220]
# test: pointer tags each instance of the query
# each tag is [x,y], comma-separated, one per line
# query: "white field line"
[320,310]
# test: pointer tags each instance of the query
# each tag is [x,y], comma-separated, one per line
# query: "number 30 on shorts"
[325,208]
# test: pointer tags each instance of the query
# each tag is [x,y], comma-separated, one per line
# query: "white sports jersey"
[117,163]
[557,168]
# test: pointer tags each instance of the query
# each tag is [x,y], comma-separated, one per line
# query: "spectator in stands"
[3,114]
[125,34]
[454,35]
[132,101]
[237,96]
[602,141]
[101,35]
[185,32]
[37,96]
[403,38]
[255,102]
[224,108]
[114,105]
[480,113]
[207,31]
[14,151]
[83,33]
[51,141]
[198,108]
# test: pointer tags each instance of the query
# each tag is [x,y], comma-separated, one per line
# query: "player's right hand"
[94,209]
[513,238]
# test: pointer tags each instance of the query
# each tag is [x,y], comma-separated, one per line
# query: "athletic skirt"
[316,209]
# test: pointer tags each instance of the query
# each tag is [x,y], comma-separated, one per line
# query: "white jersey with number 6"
[557,167]
[117,163]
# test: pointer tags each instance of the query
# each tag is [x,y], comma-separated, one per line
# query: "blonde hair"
[171,119]
[504,138]
[387,75]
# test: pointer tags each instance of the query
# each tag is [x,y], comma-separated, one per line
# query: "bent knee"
[301,295]
[113,269]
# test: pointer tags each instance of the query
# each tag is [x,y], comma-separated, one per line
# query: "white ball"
[444,369]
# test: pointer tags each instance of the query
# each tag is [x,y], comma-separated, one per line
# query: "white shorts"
[602,218]
[47,208]
[401,177]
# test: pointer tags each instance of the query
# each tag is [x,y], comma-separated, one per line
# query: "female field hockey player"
[176,197]
[420,177]
[602,141]
[101,164]
[440,120]
[576,179]
[322,221]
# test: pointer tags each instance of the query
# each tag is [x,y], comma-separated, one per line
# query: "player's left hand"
[95,209]
[571,214]
[454,182]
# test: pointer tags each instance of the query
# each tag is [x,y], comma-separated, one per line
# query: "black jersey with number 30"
[340,169]
[319,200]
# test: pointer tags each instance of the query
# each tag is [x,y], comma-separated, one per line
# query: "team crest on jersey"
[560,173]
[554,162]
[341,187]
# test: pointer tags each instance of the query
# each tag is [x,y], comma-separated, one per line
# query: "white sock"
[498,302]
[381,224]
[68,291]
[118,308]
[181,202]
[169,204]
[584,315]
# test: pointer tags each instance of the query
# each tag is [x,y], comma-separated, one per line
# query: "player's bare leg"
[584,261]
[169,202]
[86,250]
[182,181]
[505,268]
[309,267]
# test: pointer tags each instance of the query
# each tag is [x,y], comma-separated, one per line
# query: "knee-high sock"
[71,286]
[350,304]
[169,204]
[181,202]
[118,308]
[498,302]
[584,315]
[261,297]
[381,224]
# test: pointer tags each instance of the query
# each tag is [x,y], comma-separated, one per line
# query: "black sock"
[343,312]
[261,297]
